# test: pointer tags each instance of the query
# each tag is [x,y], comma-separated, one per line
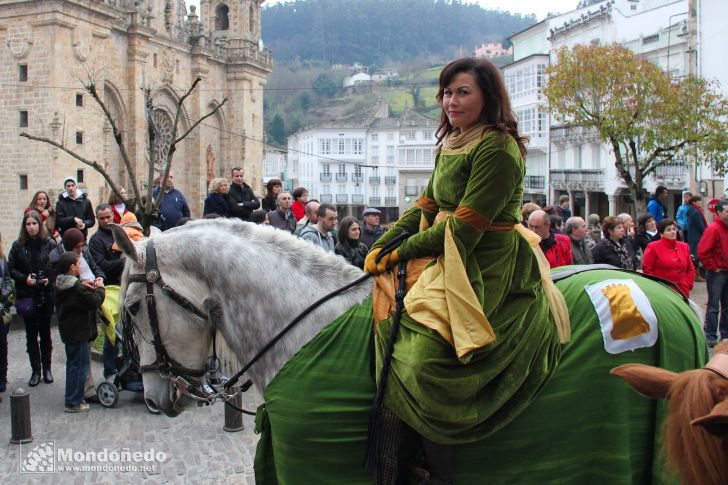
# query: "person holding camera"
[28,264]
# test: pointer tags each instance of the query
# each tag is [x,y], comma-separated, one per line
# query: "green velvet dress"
[436,394]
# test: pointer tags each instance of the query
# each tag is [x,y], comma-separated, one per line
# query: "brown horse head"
[696,429]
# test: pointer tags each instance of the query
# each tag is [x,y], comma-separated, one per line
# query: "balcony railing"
[410,190]
[342,198]
[390,180]
[357,199]
[326,198]
[375,201]
[341,177]
[357,177]
[577,179]
[573,134]
[390,201]
[375,180]
[326,177]
[675,172]
[537,182]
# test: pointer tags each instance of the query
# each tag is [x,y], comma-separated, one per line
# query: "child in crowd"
[76,305]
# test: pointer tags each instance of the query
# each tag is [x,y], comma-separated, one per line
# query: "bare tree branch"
[91,88]
[90,163]
[217,108]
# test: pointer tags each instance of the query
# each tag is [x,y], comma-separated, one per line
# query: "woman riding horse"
[483,292]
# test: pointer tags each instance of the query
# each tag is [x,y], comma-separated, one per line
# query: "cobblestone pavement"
[196,448]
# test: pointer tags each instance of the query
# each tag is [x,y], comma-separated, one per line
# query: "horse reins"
[178,374]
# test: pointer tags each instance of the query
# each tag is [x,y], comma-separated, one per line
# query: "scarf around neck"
[458,139]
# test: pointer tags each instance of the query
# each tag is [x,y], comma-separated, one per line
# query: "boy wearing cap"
[371,230]
[74,209]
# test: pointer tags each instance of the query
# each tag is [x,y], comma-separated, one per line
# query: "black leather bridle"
[185,379]
[189,382]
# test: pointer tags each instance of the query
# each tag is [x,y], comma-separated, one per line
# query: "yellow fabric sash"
[443,299]
[111,308]
[557,304]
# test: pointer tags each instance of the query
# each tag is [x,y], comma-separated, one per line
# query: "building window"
[222,22]
[79,175]
[411,135]
[22,73]
[23,182]
[325,146]
[390,154]
[326,169]
[155,60]
[358,142]
[23,119]
[390,136]
[341,146]
[375,136]
[79,138]
[342,169]
[79,100]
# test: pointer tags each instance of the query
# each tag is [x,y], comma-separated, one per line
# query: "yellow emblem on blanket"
[627,320]
[626,317]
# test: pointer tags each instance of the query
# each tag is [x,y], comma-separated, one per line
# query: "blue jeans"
[717,282]
[76,369]
[109,356]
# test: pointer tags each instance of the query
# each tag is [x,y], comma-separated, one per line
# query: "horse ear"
[649,381]
[716,422]
[123,242]
[154,231]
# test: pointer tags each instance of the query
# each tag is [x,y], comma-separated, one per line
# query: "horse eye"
[134,308]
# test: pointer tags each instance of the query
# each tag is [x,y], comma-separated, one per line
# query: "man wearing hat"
[371,230]
[74,209]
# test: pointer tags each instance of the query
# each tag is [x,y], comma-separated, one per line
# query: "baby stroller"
[128,377]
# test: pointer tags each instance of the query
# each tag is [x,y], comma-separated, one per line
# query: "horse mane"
[699,456]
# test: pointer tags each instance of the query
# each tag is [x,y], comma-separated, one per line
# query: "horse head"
[696,429]
[176,326]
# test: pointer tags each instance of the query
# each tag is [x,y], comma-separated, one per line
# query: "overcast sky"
[538,7]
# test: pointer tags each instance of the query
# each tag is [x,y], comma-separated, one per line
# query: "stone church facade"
[48,48]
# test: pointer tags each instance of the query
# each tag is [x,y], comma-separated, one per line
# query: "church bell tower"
[232,19]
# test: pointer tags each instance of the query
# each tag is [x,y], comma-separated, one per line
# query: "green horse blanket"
[585,426]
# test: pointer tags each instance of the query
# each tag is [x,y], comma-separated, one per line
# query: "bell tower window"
[222,22]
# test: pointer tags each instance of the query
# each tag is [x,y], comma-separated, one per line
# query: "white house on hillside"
[366,159]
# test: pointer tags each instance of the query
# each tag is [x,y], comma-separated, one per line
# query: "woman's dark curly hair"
[497,113]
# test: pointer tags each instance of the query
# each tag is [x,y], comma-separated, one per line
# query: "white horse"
[251,281]
[255,278]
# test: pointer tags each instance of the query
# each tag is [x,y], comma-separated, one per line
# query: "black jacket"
[353,255]
[109,261]
[605,253]
[642,239]
[67,209]
[269,203]
[242,201]
[21,265]
[76,308]
[217,203]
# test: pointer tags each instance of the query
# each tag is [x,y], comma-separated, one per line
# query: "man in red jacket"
[556,247]
[713,254]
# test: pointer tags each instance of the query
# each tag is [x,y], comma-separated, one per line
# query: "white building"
[712,43]
[572,160]
[274,165]
[358,79]
[359,160]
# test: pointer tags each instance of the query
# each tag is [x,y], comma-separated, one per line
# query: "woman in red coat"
[669,258]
